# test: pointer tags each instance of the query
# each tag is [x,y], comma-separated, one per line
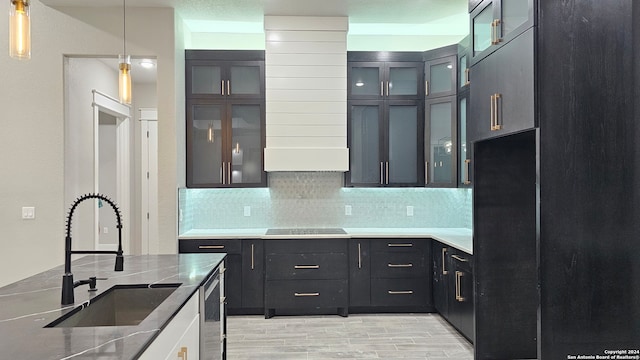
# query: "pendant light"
[19,30]
[124,60]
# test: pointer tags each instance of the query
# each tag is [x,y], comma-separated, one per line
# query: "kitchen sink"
[121,305]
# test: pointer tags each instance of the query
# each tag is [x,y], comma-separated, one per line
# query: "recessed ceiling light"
[147,63]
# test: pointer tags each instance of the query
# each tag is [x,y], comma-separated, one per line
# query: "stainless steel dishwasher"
[213,317]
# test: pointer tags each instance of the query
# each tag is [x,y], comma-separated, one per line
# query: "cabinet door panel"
[442,144]
[440,77]
[366,80]
[304,294]
[360,273]
[481,28]
[440,278]
[399,292]
[204,143]
[515,85]
[252,274]
[515,17]
[246,144]
[398,265]
[306,266]
[365,144]
[404,142]
[402,80]
[465,147]
[246,80]
[483,87]
[206,79]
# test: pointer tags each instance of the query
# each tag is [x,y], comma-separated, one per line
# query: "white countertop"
[459,238]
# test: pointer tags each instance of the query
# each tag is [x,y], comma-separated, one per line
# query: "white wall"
[107,180]
[32,140]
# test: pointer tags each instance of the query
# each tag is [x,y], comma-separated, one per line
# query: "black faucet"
[67,279]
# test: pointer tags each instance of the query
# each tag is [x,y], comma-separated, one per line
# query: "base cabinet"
[453,287]
[244,274]
[390,275]
[306,277]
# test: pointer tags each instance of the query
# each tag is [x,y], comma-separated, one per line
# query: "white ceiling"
[358,11]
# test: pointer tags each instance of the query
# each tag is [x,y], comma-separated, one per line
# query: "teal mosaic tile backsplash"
[317,199]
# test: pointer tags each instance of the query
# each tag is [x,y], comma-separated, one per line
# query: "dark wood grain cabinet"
[502,91]
[225,115]
[385,119]
[306,276]
[244,270]
[390,275]
[453,287]
[441,142]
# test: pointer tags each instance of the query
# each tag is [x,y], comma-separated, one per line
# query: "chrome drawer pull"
[400,245]
[306,294]
[306,267]
[401,292]
[459,258]
[220,247]
[400,265]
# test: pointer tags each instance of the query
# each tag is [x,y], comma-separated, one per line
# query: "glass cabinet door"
[365,80]
[206,80]
[441,149]
[245,165]
[514,13]
[404,80]
[463,71]
[403,147]
[441,77]
[481,23]
[245,80]
[205,145]
[464,147]
[365,164]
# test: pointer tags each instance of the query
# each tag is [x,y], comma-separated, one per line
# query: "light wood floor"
[370,336]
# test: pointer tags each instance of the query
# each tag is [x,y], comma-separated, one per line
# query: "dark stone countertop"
[28,305]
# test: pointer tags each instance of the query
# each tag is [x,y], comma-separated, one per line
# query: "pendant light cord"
[124,28]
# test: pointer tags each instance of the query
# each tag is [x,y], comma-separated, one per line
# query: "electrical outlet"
[247,211]
[105,230]
[28,212]
[409,210]
[347,210]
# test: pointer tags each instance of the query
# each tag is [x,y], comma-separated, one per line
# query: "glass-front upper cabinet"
[440,142]
[463,63]
[245,160]
[204,144]
[464,147]
[377,80]
[495,22]
[440,77]
[385,145]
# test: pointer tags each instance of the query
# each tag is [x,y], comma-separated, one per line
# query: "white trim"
[148,186]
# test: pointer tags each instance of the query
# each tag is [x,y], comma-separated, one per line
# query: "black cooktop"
[307,231]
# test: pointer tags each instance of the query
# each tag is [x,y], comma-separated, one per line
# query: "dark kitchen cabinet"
[441,145]
[244,274]
[465,147]
[502,91]
[463,64]
[384,119]
[440,76]
[453,287]
[306,277]
[385,143]
[384,76]
[225,117]
[390,275]
[496,22]
[461,299]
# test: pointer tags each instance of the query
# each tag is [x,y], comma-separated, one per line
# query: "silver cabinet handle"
[467,178]
[444,261]
[492,112]
[228,88]
[400,245]
[219,247]
[459,258]
[400,265]
[381,173]
[426,88]
[496,121]
[387,88]
[387,173]
[381,88]
[400,292]
[222,87]
[426,172]
[252,257]
[359,256]
[306,266]
[306,294]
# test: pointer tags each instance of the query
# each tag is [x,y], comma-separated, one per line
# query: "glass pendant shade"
[124,79]
[19,30]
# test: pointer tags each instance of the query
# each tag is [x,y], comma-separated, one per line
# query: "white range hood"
[306,93]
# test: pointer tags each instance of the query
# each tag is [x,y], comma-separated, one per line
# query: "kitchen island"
[28,305]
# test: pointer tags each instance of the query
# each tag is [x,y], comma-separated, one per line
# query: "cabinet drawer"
[399,292]
[398,265]
[296,246]
[210,245]
[306,294]
[306,266]
[399,245]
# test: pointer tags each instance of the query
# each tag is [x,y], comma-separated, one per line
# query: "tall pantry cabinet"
[555,199]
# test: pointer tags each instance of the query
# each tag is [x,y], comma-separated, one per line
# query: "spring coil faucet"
[67,279]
